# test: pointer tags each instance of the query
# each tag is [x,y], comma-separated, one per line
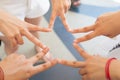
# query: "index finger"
[43,67]
[87,37]
[84,29]
[75,64]
[64,21]
[38,56]
[33,39]
[52,20]
[32,27]
[81,51]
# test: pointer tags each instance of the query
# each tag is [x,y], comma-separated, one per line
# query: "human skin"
[107,25]
[37,21]
[59,8]
[13,29]
[17,67]
[93,67]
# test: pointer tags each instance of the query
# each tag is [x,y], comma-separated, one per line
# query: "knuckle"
[74,62]
[108,35]
[37,43]
[11,36]
[64,62]
[82,51]
[100,19]
[85,28]
[38,56]
[111,36]
[97,24]
[22,30]
[52,18]
[44,66]
[87,64]
[87,37]
[17,33]
[28,73]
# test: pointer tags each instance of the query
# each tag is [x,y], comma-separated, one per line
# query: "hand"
[14,29]
[107,25]
[59,8]
[93,68]
[17,67]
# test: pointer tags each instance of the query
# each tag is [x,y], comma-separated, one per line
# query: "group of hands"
[17,67]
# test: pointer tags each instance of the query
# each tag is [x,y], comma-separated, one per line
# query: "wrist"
[1,74]
[114,70]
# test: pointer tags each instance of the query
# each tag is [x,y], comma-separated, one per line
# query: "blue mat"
[59,72]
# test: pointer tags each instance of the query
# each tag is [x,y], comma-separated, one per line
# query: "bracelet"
[0,42]
[107,68]
[1,74]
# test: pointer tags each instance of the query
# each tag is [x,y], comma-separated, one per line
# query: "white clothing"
[25,8]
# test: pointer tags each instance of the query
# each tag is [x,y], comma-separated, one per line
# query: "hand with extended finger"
[93,68]
[59,8]
[107,24]
[13,29]
[17,67]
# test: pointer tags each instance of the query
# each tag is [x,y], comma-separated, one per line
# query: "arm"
[93,68]
[17,67]
[59,8]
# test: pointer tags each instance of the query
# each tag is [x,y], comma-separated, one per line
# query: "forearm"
[114,70]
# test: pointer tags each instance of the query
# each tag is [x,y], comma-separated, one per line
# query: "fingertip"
[44,46]
[69,30]
[45,50]
[76,41]
[74,44]
[54,61]
[50,29]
